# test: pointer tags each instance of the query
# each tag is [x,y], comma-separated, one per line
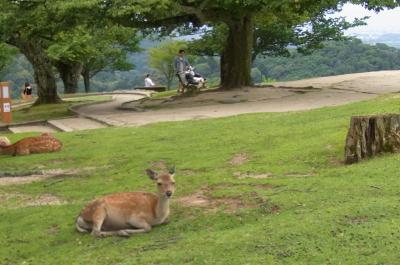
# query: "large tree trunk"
[43,70]
[369,136]
[69,73]
[236,57]
[86,79]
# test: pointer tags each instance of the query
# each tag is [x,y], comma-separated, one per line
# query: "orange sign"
[5,102]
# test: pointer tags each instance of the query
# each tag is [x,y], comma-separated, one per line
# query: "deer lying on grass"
[4,141]
[128,213]
[44,143]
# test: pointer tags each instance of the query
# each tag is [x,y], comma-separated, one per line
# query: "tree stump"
[369,136]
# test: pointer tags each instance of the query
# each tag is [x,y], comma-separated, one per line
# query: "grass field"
[285,198]
[53,111]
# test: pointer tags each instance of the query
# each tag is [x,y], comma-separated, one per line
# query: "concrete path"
[84,121]
[381,82]
[32,128]
[328,91]
[333,91]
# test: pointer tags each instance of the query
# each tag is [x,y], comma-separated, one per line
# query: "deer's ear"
[172,170]
[152,174]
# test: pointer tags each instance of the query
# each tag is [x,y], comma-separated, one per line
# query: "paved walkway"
[84,121]
[335,90]
[330,91]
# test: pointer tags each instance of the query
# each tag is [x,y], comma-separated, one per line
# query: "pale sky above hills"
[387,21]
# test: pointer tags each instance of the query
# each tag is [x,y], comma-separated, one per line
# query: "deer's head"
[165,181]
[4,141]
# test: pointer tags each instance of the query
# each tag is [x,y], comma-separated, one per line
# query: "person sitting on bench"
[194,78]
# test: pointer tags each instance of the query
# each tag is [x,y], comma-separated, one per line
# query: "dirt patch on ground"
[249,175]
[53,230]
[159,165]
[356,219]
[29,177]
[18,200]
[223,186]
[299,175]
[60,161]
[226,204]
[335,161]
[239,159]
[229,204]
[214,96]
[187,172]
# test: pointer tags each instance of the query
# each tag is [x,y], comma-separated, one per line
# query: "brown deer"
[30,145]
[4,141]
[128,213]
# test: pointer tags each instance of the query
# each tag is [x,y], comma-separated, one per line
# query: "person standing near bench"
[180,65]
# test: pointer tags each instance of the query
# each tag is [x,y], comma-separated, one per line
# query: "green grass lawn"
[311,209]
[53,111]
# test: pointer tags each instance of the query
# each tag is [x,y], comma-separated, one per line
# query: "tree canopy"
[7,53]
[245,21]
[336,58]
[161,58]
[244,28]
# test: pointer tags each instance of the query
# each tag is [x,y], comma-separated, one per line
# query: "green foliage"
[162,57]
[335,58]
[111,46]
[309,209]
[256,75]
[7,53]
[17,73]
[72,46]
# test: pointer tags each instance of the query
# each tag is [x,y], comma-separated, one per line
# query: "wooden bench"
[154,88]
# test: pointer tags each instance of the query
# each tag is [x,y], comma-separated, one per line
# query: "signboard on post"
[5,102]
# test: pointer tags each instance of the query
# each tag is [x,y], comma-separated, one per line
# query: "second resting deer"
[128,213]
[32,145]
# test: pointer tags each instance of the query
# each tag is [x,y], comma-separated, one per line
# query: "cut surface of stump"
[369,136]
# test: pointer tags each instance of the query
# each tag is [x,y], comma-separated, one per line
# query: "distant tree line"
[335,58]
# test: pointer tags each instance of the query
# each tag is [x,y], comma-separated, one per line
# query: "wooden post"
[5,102]
[369,136]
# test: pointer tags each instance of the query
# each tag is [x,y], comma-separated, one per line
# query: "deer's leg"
[98,217]
[166,221]
[21,151]
[140,225]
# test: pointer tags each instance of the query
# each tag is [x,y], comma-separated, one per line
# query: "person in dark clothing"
[27,91]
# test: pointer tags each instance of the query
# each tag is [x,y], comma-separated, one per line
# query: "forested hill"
[335,58]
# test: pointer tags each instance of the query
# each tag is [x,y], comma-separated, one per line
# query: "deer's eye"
[159,184]
[173,183]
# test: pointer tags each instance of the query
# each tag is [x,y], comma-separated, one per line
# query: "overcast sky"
[387,21]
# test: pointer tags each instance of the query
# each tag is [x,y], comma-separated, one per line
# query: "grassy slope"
[342,215]
[53,111]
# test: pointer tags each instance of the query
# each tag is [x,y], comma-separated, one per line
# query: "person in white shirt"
[148,82]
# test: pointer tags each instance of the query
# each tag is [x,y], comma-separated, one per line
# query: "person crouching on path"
[180,65]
